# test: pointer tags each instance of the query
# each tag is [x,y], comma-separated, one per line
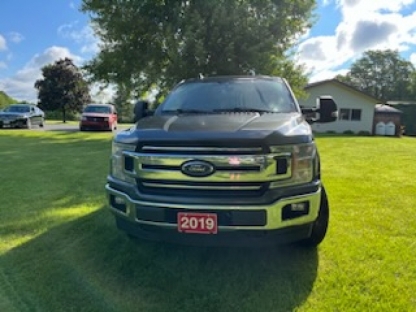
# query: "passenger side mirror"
[141,110]
[326,111]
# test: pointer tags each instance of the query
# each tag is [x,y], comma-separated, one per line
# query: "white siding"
[345,99]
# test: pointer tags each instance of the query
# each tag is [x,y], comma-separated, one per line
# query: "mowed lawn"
[60,250]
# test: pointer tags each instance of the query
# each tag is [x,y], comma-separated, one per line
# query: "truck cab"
[225,161]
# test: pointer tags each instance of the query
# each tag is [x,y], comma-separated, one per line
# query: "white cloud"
[21,85]
[102,94]
[3,65]
[15,37]
[360,7]
[365,25]
[327,74]
[413,59]
[83,36]
[72,5]
[3,44]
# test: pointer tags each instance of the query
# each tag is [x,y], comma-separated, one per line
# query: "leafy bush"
[348,132]
[364,133]
[57,115]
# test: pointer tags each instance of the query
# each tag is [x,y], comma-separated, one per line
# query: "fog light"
[299,206]
[119,200]
[296,210]
[118,203]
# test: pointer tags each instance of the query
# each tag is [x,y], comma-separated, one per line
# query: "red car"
[98,117]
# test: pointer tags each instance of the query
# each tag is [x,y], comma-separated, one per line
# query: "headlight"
[117,161]
[302,162]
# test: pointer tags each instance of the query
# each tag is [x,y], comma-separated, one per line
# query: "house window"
[356,114]
[344,114]
[350,114]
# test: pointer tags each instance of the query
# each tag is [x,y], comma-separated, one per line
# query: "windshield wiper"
[243,110]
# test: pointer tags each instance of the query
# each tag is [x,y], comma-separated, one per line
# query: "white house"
[356,109]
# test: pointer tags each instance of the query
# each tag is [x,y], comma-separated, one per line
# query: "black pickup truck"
[223,160]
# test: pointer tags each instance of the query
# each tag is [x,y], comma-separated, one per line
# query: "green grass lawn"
[60,250]
[74,122]
[60,122]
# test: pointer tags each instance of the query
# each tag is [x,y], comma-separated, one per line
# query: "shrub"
[57,115]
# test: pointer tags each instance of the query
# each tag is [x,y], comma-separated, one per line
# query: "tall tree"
[383,74]
[62,88]
[6,100]
[122,101]
[148,43]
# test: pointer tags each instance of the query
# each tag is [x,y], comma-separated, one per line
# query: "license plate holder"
[197,222]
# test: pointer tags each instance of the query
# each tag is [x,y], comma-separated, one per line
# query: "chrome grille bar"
[202,187]
[173,149]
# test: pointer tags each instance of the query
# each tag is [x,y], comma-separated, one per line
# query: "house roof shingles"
[380,108]
[343,84]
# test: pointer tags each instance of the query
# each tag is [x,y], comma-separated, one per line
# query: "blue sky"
[35,33]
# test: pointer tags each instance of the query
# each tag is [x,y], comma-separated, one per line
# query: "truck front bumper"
[284,220]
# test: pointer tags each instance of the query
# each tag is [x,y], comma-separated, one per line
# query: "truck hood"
[269,128]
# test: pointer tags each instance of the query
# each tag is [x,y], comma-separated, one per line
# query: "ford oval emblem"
[197,168]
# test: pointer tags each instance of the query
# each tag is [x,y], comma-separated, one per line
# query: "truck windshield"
[97,109]
[17,109]
[238,95]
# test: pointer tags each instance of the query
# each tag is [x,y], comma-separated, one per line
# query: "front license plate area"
[197,223]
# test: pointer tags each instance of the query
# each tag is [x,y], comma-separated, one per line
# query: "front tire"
[320,226]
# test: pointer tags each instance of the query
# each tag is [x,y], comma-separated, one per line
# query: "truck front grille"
[195,189]
[96,119]
[239,171]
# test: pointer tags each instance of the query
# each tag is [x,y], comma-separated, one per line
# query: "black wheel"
[320,226]
[42,123]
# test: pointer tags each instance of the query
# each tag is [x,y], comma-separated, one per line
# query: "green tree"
[62,88]
[383,74]
[6,100]
[122,101]
[149,43]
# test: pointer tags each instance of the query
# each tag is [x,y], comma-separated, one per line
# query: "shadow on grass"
[88,265]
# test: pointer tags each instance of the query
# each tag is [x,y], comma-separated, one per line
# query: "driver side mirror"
[141,110]
[326,111]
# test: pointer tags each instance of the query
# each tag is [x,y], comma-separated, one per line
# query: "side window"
[356,114]
[350,114]
[344,114]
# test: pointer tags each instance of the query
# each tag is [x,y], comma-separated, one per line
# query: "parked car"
[22,116]
[98,117]
[223,160]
